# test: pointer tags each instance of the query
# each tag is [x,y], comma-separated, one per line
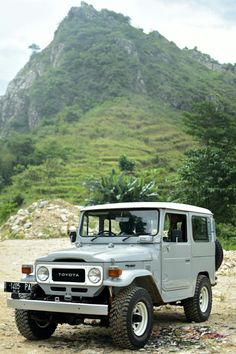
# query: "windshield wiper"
[127,237]
[104,233]
[94,238]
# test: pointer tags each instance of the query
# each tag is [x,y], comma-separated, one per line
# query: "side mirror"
[72,234]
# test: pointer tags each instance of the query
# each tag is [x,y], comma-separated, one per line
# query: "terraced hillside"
[100,90]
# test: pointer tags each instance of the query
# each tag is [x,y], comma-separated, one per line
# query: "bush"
[6,209]
[120,188]
[227,235]
[125,164]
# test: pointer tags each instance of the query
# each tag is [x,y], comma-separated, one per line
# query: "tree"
[212,123]
[125,164]
[208,179]
[7,162]
[208,176]
[34,47]
[22,147]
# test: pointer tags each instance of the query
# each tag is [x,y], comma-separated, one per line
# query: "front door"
[176,256]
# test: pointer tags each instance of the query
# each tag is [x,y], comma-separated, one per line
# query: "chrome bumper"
[64,307]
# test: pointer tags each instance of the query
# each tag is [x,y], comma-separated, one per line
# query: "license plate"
[13,287]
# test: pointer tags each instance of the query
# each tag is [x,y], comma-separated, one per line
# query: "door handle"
[187,260]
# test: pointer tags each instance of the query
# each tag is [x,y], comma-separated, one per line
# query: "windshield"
[128,222]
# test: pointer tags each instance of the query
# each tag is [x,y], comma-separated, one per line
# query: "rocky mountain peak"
[85,11]
[205,59]
[18,109]
[97,56]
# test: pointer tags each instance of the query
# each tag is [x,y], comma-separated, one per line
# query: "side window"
[200,228]
[175,228]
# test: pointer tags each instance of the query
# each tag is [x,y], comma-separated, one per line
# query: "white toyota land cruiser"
[125,259]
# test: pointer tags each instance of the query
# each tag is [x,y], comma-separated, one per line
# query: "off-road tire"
[198,307]
[131,318]
[32,329]
[219,254]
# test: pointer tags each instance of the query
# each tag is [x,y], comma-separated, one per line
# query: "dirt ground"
[171,333]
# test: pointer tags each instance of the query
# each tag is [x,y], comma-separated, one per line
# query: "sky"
[210,25]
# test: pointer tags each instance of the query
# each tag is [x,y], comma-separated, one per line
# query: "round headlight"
[94,275]
[43,273]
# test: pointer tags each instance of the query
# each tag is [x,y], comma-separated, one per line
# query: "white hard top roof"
[151,205]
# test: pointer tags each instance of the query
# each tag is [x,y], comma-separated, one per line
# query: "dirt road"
[171,332]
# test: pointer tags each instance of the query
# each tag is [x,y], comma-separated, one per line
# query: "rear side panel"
[203,245]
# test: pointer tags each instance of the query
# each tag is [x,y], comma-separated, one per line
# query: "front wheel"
[198,307]
[34,327]
[131,318]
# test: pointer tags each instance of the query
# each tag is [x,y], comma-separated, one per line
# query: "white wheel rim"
[139,327]
[42,324]
[204,299]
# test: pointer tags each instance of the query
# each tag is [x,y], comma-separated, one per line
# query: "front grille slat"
[68,275]
[58,288]
[79,290]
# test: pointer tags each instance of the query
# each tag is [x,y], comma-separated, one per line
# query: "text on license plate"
[13,287]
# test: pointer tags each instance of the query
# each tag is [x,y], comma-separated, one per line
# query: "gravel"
[171,332]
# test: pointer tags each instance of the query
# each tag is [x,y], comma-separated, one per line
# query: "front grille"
[68,275]
[75,260]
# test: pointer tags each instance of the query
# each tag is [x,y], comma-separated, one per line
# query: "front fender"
[31,278]
[127,277]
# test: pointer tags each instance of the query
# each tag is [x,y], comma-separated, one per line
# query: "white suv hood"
[101,253]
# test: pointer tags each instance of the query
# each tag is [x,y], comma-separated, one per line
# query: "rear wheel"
[33,326]
[198,308]
[131,318]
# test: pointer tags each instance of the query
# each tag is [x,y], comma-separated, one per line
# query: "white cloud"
[208,24]
[189,25]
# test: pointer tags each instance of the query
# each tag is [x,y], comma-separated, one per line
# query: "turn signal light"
[26,269]
[114,272]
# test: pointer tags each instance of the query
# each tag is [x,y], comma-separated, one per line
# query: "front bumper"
[60,307]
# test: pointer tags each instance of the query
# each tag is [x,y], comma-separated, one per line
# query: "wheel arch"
[148,283]
[204,273]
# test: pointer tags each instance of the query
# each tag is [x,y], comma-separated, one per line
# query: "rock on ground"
[42,219]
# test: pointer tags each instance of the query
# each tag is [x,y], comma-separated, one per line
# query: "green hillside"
[147,133]
[100,90]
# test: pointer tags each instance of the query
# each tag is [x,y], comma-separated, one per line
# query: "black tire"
[198,307]
[131,318]
[34,329]
[219,254]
